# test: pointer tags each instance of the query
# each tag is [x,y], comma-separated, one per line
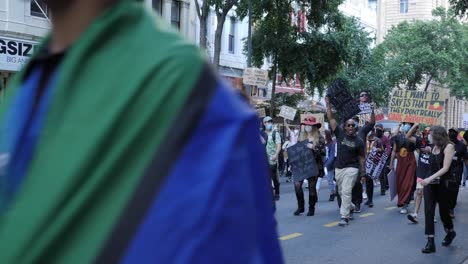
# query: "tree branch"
[197,7]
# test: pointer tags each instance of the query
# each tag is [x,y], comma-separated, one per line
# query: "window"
[157,5]
[39,9]
[175,14]
[372,5]
[404,6]
[232,31]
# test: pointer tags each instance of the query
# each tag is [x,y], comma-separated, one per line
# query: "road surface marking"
[332,224]
[291,236]
[366,215]
[390,208]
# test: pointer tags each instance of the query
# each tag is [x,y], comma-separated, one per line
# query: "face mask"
[269,127]
[406,128]
[378,133]
[308,128]
[430,138]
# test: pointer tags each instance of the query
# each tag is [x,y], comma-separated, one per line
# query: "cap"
[453,129]
[267,119]
[311,121]
[379,125]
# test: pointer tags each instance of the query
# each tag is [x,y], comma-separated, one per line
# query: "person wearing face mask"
[350,161]
[457,167]
[423,169]
[316,144]
[403,152]
[436,190]
[273,148]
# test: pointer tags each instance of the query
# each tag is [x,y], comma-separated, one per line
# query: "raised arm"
[331,118]
[410,133]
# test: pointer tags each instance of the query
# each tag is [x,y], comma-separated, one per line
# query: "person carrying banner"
[423,169]
[106,131]
[316,144]
[457,167]
[403,153]
[349,163]
[437,188]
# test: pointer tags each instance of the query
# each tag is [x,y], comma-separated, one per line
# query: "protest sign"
[365,101]
[416,106]
[288,112]
[261,112]
[379,116]
[256,77]
[465,121]
[342,100]
[302,161]
[375,163]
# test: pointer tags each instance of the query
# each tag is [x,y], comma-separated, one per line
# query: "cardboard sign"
[288,112]
[342,100]
[375,163]
[255,76]
[365,101]
[261,112]
[302,161]
[379,116]
[465,121]
[416,106]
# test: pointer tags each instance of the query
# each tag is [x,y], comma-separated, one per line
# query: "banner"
[302,161]
[416,106]
[375,163]
[256,77]
[365,102]
[465,121]
[288,112]
[379,116]
[342,100]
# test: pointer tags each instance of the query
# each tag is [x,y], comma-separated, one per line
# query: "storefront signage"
[15,53]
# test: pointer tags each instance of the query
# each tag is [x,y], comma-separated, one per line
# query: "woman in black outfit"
[436,190]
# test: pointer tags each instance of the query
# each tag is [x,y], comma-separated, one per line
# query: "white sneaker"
[404,211]
[364,196]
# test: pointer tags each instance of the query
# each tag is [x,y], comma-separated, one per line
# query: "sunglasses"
[350,125]
[362,95]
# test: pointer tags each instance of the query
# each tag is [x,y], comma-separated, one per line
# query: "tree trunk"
[217,43]
[273,88]
[203,31]
[428,83]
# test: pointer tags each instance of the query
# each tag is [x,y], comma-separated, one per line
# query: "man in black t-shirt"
[350,160]
[457,166]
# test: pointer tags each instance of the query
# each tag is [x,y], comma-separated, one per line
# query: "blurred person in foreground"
[104,156]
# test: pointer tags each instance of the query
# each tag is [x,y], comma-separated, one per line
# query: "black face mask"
[378,133]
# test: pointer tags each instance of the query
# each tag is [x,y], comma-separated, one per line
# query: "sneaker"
[382,193]
[449,238]
[413,218]
[277,197]
[344,222]
[371,205]
[357,209]
[364,196]
[404,211]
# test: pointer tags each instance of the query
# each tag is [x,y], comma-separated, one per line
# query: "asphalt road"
[377,235]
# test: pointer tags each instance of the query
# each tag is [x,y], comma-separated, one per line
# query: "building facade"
[22,25]
[393,12]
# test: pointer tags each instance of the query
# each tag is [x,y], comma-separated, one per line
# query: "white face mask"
[308,129]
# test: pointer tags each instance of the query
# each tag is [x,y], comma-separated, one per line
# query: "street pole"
[249,46]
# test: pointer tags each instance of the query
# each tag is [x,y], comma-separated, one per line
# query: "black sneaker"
[371,205]
[449,238]
[343,222]
[382,193]
[299,211]
[413,218]
[357,209]
[277,197]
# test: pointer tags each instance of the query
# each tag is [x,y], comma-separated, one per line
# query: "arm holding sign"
[331,118]
[410,133]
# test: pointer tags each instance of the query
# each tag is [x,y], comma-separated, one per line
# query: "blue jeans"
[331,181]
[465,174]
